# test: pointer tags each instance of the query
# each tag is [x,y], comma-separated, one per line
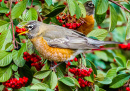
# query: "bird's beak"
[24,32]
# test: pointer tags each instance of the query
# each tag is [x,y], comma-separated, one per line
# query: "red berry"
[5,2]
[0,0]
[74,25]
[128,46]
[65,3]
[67,25]
[16,2]
[75,59]
[63,25]
[127,88]
[99,27]
[7,15]
[90,70]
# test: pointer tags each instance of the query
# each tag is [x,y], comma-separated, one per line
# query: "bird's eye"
[90,4]
[30,27]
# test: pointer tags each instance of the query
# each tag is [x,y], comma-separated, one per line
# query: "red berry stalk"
[81,72]
[68,21]
[35,59]
[83,83]
[124,46]
[15,83]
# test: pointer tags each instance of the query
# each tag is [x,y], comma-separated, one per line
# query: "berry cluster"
[15,83]
[75,59]
[35,59]
[68,21]
[68,64]
[7,14]
[124,46]
[20,30]
[127,88]
[80,72]
[83,83]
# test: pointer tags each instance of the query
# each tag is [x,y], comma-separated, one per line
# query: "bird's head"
[32,29]
[89,6]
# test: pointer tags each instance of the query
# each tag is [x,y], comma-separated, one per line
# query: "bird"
[59,44]
[88,24]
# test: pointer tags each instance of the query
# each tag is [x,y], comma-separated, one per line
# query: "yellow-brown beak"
[24,32]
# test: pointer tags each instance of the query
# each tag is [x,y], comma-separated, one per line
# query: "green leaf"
[100,89]
[5,38]
[119,80]
[3,4]
[49,2]
[39,86]
[100,34]
[106,81]
[18,56]
[25,71]
[4,10]
[119,61]
[102,6]
[48,89]
[63,87]
[5,73]
[101,55]
[93,67]
[90,78]
[113,18]
[14,67]
[31,15]
[128,64]
[68,81]
[72,7]
[100,18]
[5,58]
[128,29]
[76,82]
[30,47]
[77,11]
[53,80]
[42,74]
[18,9]
[83,10]
[55,11]
[96,88]
[3,22]
[111,73]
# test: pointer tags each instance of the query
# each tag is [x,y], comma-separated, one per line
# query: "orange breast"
[88,25]
[51,53]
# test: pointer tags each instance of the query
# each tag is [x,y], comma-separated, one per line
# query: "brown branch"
[119,5]
[12,24]
[32,4]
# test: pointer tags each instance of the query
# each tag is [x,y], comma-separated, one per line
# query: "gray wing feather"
[57,36]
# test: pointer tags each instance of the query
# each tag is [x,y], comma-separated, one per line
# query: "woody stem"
[12,25]
[119,5]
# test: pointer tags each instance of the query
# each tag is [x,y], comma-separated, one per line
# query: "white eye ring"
[30,27]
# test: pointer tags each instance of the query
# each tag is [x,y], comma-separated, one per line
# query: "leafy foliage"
[110,64]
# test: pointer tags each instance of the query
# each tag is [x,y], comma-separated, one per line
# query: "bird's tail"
[101,43]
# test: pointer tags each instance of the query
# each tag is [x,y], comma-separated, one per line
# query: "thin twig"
[119,5]
[32,4]
[111,48]
[12,24]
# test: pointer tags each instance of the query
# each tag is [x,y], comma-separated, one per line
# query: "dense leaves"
[103,69]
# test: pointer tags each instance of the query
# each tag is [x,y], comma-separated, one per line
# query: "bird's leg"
[54,67]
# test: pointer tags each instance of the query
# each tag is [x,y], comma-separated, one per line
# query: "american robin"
[88,24]
[57,43]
